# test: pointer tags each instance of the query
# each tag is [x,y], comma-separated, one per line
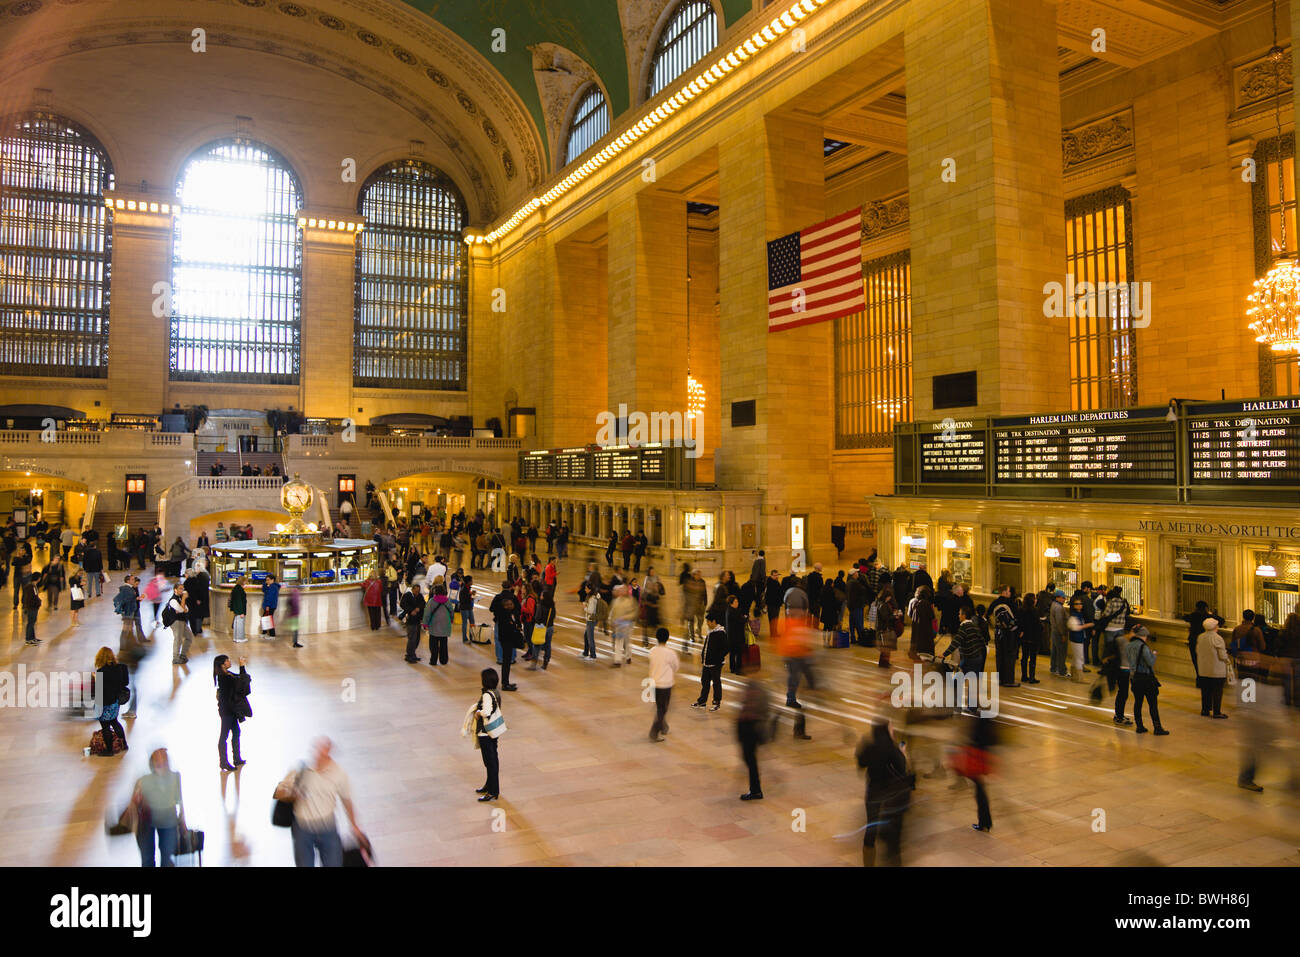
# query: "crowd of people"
[1089,635]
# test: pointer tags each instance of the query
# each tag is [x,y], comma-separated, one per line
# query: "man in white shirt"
[664,664]
[436,570]
[315,789]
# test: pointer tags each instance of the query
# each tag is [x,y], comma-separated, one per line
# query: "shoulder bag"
[495,724]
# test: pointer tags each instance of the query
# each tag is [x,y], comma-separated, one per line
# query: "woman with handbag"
[974,761]
[890,622]
[271,602]
[889,793]
[489,725]
[158,810]
[77,595]
[114,692]
[232,706]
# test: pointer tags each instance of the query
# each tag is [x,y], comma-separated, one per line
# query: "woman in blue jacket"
[270,602]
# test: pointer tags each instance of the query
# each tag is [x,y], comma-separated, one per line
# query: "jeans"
[491,763]
[660,726]
[971,670]
[1058,654]
[710,675]
[621,631]
[413,638]
[229,728]
[466,622]
[237,625]
[796,668]
[181,639]
[748,733]
[29,617]
[1028,659]
[589,639]
[857,633]
[543,650]
[1121,692]
[1145,689]
[528,638]
[306,843]
[144,839]
[96,587]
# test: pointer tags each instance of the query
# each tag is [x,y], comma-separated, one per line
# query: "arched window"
[691,32]
[412,298]
[236,267]
[590,123]
[55,249]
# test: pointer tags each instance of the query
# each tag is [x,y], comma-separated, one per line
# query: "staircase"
[107,520]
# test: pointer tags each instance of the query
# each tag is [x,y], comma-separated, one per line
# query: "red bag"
[972,762]
[753,658]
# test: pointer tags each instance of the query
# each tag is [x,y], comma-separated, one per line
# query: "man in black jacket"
[922,579]
[972,646]
[639,544]
[736,618]
[858,602]
[712,656]
[773,598]
[902,581]
[92,561]
[510,635]
[1002,612]
[412,615]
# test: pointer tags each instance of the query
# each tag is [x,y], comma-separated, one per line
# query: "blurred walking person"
[889,793]
[751,729]
[623,611]
[159,811]
[974,760]
[315,790]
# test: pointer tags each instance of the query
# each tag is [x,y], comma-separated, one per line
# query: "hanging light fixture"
[950,542]
[1113,557]
[906,539]
[1275,299]
[1266,568]
[1051,551]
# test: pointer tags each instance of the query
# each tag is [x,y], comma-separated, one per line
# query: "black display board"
[1123,447]
[1254,443]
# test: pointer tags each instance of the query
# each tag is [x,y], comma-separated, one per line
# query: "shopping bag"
[268,623]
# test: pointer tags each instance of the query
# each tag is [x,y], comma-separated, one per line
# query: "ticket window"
[697,530]
[915,544]
[260,566]
[956,553]
[1277,585]
[1123,562]
[1196,578]
[1062,562]
[1008,561]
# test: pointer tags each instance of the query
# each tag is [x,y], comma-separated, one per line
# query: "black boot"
[221,754]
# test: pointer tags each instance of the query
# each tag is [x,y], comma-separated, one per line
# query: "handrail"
[388,511]
[88,519]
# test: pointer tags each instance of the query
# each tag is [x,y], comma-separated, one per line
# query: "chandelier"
[1275,300]
[694,396]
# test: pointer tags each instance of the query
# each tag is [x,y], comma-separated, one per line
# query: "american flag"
[816,274]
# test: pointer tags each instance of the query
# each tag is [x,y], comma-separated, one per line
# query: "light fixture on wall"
[1182,561]
[950,542]
[1275,300]
[1051,551]
[1112,557]
[997,548]
[1266,568]
[906,539]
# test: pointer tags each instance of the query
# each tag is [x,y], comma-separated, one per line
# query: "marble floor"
[582,785]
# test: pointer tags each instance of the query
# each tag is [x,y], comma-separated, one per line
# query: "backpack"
[1006,621]
[169,615]
[118,608]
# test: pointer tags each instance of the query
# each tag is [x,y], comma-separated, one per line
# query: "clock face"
[297,496]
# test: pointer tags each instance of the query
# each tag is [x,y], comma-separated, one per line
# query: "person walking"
[751,729]
[173,617]
[664,665]
[925,624]
[437,620]
[270,604]
[623,611]
[31,608]
[159,811]
[293,612]
[591,611]
[1079,627]
[76,596]
[465,605]
[1212,666]
[112,680]
[412,616]
[315,790]
[713,654]
[53,579]
[974,761]
[489,724]
[232,706]
[889,793]
[1123,679]
[794,643]
[237,603]
[1142,676]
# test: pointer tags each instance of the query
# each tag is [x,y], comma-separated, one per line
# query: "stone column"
[137,339]
[329,264]
[771,184]
[984,105]
[647,304]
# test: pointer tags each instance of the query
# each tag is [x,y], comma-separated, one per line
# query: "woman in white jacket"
[1212,666]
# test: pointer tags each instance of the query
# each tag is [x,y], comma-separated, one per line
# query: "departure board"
[1126,447]
[1245,443]
[954,452]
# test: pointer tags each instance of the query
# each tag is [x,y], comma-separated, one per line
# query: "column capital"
[328,227]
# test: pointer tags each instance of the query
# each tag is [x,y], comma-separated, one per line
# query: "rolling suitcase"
[753,657]
[840,639]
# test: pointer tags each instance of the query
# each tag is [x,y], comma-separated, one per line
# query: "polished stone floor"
[582,785]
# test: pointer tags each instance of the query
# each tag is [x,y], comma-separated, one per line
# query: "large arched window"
[412,299]
[691,32]
[590,123]
[55,249]
[236,267]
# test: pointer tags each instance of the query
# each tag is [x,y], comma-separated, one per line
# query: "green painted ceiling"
[590,28]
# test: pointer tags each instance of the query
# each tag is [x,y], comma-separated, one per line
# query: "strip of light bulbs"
[761,38]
